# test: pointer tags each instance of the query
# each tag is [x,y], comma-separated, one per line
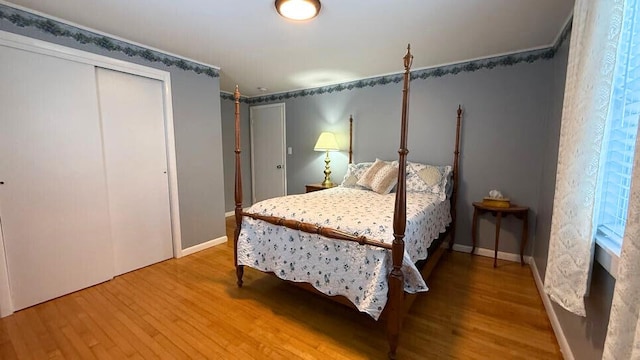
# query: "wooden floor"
[190,308]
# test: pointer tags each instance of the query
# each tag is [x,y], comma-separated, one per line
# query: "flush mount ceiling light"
[298,9]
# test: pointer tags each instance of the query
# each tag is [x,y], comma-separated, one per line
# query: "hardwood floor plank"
[101,330]
[191,308]
[18,341]
[45,341]
[54,321]
[218,321]
[133,320]
[6,346]
[103,315]
[76,341]
[74,315]
[169,341]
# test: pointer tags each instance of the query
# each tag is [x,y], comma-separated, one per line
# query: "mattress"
[334,267]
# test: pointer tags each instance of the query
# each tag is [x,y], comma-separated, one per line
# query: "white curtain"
[623,334]
[592,54]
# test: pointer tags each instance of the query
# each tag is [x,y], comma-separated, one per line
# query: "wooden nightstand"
[316,187]
[520,212]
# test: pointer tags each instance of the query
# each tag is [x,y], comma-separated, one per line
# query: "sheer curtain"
[623,334]
[592,54]
[597,25]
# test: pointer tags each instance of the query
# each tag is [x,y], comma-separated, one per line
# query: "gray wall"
[228,149]
[198,136]
[585,335]
[503,136]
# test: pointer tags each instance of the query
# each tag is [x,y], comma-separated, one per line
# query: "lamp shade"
[326,142]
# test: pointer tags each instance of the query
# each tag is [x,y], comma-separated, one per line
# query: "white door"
[133,124]
[268,151]
[53,196]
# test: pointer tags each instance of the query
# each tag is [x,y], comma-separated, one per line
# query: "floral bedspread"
[358,272]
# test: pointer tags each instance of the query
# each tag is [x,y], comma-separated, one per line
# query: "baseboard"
[6,303]
[204,245]
[551,313]
[490,253]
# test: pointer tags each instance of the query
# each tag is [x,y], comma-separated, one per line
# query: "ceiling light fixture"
[298,9]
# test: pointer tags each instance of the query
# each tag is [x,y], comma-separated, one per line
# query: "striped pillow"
[381,177]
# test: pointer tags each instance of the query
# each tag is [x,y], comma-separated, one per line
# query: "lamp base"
[327,172]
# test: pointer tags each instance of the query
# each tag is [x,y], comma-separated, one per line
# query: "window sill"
[607,254]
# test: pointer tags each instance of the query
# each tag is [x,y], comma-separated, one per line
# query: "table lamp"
[326,142]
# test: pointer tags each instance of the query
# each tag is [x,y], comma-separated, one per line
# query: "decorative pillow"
[428,178]
[354,172]
[367,177]
[430,175]
[381,177]
[349,180]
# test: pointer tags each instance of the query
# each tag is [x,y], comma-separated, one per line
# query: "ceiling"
[350,39]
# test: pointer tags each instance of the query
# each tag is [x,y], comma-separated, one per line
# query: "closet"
[136,168]
[84,175]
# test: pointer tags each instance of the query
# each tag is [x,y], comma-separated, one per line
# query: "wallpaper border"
[26,19]
[229,96]
[564,35]
[453,69]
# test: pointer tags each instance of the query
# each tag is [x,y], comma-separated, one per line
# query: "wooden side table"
[520,212]
[315,187]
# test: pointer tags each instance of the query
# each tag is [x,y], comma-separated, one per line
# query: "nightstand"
[520,212]
[316,187]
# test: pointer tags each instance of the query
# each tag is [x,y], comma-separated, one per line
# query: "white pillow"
[430,175]
[354,172]
[428,178]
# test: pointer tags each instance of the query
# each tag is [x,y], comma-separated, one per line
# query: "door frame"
[6,302]
[284,146]
[46,48]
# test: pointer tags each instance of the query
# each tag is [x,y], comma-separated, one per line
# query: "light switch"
[290,150]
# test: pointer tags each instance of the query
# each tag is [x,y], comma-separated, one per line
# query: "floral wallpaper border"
[229,96]
[22,18]
[25,19]
[563,36]
[469,66]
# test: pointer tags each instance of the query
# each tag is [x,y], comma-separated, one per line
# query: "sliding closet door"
[53,198]
[132,113]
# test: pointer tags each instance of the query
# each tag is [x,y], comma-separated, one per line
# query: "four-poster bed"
[344,255]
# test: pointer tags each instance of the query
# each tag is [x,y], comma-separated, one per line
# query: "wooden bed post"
[396,277]
[237,190]
[350,139]
[456,170]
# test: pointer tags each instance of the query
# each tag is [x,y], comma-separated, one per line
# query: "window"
[620,136]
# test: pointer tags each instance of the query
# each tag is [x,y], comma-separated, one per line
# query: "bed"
[375,251]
